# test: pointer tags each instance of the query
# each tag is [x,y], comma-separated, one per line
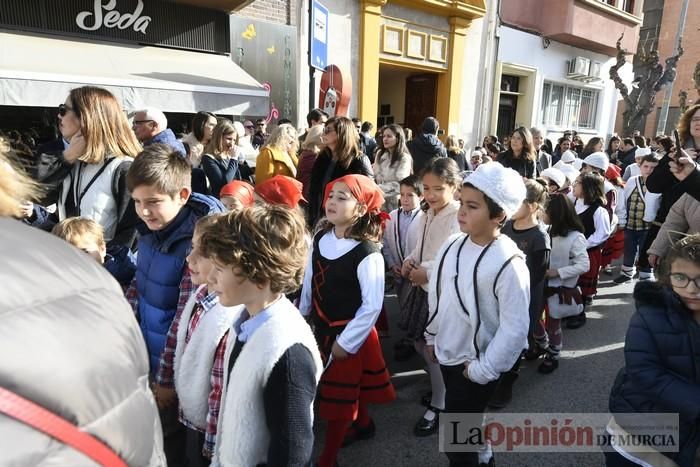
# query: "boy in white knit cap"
[479,298]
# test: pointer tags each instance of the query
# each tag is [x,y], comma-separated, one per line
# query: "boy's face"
[473,217]
[91,247]
[409,199]
[232,288]
[200,266]
[647,168]
[158,209]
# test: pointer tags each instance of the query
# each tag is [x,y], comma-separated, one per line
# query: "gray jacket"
[70,343]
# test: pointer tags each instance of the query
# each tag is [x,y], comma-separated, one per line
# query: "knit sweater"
[492,331]
[569,257]
[432,233]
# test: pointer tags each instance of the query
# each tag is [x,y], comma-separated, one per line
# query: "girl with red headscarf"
[343,292]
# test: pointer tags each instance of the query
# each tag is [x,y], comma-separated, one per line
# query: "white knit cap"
[555,175]
[577,164]
[599,160]
[641,152]
[504,186]
[568,157]
[570,172]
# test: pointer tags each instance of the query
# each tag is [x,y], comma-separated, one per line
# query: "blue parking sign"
[318,55]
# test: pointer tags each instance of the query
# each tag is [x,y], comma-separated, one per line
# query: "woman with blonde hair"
[310,149]
[393,164]
[220,159]
[456,153]
[279,155]
[342,156]
[93,181]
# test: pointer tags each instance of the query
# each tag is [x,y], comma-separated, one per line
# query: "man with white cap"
[633,170]
[480,299]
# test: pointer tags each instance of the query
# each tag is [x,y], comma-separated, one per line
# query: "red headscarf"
[240,190]
[363,189]
[281,189]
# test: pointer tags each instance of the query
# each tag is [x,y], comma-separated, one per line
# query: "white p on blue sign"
[319,36]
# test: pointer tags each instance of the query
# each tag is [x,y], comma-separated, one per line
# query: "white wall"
[343,50]
[472,87]
[521,48]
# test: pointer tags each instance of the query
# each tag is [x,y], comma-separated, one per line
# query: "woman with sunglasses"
[661,372]
[341,156]
[92,172]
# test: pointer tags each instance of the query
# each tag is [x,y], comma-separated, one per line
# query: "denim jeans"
[634,241]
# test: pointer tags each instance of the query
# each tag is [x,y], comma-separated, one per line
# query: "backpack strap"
[15,406]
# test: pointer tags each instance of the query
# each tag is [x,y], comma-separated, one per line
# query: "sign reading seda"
[112,18]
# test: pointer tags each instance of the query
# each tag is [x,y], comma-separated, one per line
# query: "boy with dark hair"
[640,210]
[160,185]
[479,299]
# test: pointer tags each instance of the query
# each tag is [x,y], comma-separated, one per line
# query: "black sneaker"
[577,321]
[622,279]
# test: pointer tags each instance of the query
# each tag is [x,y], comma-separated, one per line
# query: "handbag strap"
[47,422]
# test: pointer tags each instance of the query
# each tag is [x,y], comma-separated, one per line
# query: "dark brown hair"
[687,248]
[347,146]
[264,244]
[684,123]
[593,188]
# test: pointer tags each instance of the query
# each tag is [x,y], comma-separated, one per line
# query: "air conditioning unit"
[594,72]
[578,68]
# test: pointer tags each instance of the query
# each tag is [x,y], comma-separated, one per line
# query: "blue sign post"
[318,37]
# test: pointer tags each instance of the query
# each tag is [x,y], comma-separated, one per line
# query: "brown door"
[421,97]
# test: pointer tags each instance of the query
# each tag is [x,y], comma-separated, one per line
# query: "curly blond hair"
[15,186]
[265,244]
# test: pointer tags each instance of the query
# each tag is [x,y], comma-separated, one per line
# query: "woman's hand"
[418,276]
[338,352]
[27,209]
[654,261]
[682,167]
[76,148]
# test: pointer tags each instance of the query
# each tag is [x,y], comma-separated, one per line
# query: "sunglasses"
[63,109]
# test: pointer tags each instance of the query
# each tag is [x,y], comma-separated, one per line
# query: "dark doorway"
[507,107]
[421,100]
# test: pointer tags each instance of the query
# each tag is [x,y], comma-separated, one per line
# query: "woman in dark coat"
[520,156]
[662,359]
[342,156]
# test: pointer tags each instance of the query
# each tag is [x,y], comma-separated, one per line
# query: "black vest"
[336,292]
[587,219]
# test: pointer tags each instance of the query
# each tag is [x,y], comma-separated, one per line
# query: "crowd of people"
[256,266]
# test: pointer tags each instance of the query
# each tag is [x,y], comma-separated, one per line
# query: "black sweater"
[287,396]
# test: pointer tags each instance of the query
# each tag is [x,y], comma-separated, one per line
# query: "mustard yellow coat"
[272,161]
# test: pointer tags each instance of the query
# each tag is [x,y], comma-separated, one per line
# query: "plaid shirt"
[635,208]
[164,375]
[217,387]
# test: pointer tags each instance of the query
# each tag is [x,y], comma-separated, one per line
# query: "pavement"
[590,361]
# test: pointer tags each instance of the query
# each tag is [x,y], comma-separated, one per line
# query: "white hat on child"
[555,175]
[599,160]
[570,172]
[504,186]
[568,157]
[641,152]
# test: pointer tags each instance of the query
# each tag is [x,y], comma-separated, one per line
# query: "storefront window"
[568,106]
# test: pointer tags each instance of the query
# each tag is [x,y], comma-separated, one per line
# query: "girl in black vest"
[343,292]
[590,207]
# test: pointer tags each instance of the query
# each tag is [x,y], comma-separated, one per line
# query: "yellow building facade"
[418,47]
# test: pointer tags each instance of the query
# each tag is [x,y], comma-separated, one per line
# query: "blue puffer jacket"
[159,268]
[168,137]
[662,366]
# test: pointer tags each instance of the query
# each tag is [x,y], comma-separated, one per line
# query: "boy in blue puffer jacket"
[160,185]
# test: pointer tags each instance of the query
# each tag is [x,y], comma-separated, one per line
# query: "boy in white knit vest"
[479,321]
[189,350]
